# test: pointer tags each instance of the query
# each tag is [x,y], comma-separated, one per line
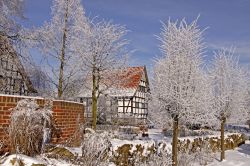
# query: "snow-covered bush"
[160,158]
[202,155]
[140,152]
[29,127]
[60,152]
[95,148]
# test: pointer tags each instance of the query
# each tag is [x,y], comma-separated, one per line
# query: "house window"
[143,105]
[89,101]
[142,89]
[136,104]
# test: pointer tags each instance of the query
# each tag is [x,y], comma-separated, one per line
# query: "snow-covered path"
[238,157]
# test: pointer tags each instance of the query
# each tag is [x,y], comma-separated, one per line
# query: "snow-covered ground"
[156,134]
[238,157]
[30,161]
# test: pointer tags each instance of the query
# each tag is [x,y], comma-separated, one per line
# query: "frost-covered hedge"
[200,150]
[231,141]
[140,153]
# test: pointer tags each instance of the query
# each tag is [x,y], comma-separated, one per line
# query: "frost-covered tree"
[229,89]
[40,80]
[10,11]
[102,52]
[11,32]
[179,85]
[54,40]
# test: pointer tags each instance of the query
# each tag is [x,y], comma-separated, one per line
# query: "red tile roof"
[131,77]
[117,82]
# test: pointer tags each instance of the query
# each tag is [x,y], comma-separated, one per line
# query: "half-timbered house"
[127,98]
[13,78]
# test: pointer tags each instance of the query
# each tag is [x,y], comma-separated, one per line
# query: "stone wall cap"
[18,96]
[68,101]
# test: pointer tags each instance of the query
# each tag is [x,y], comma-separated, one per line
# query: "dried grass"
[28,126]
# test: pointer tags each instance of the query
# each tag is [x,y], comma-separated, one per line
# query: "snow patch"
[28,161]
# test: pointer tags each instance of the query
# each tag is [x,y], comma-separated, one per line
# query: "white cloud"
[241,48]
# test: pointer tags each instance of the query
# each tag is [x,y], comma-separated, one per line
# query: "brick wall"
[66,115]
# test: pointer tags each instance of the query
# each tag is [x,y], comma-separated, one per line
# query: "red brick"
[7,113]
[11,104]
[58,110]
[2,104]
[65,115]
[3,121]
[6,117]
[7,108]
[4,99]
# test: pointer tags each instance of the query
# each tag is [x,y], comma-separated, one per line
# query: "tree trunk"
[62,57]
[94,99]
[222,156]
[60,83]
[175,142]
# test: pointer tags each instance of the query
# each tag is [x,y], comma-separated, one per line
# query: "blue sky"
[228,22]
